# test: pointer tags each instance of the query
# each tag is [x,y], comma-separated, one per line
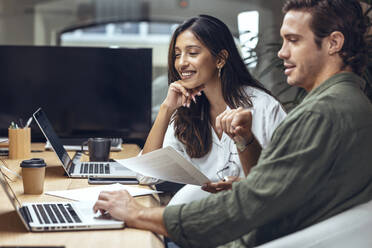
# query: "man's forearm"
[149,219]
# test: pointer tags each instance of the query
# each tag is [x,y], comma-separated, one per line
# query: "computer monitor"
[86,91]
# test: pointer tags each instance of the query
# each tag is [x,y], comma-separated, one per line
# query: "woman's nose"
[183,62]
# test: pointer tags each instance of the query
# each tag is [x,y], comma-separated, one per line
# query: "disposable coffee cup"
[33,174]
[98,149]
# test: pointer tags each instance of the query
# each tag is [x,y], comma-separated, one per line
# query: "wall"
[38,22]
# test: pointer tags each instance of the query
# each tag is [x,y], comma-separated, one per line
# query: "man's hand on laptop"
[122,206]
[119,204]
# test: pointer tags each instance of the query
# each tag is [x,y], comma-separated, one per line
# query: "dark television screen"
[85,92]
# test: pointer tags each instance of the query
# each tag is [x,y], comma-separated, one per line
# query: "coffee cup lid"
[33,163]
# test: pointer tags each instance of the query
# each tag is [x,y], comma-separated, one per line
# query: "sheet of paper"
[91,193]
[166,164]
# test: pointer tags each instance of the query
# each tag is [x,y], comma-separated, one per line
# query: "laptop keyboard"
[55,213]
[95,168]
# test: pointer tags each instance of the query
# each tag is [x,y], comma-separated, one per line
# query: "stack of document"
[4,146]
[90,194]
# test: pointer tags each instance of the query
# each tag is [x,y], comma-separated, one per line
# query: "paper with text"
[166,164]
[91,193]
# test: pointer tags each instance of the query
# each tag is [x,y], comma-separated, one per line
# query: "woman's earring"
[219,72]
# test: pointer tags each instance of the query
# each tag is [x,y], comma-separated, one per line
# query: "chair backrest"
[352,228]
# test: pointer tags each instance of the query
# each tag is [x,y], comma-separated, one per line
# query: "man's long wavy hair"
[193,125]
[345,16]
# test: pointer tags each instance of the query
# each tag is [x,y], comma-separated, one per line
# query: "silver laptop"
[74,167]
[58,216]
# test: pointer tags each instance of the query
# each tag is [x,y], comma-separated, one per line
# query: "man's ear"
[221,58]
[335,42]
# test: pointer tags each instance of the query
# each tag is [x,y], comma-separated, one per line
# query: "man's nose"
[283,53]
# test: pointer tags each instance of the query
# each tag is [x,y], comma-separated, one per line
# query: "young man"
[319,161]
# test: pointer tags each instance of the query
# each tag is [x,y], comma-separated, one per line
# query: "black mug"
[98,148]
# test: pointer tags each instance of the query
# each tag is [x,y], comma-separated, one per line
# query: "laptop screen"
[51,136]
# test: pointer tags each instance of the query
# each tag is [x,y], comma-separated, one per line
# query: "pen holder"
[19,143]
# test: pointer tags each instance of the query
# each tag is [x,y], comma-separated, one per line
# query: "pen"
[28,122]
[21,123]
[12,125]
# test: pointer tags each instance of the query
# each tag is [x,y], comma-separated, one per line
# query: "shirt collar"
[336,79]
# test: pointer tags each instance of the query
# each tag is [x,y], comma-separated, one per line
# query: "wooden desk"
[12,231]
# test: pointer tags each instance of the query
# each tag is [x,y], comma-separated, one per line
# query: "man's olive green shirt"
[319,163]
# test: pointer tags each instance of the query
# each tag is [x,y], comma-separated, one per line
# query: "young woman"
[208,79]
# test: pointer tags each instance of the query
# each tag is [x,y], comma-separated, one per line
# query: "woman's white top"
[267,113]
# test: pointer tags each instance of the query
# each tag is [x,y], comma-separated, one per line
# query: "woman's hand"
[179,96]
[236,123]
[220,185]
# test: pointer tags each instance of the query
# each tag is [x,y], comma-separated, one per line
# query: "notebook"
[58,216]
[74,167]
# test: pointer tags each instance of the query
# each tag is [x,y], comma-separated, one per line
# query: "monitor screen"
[85,91]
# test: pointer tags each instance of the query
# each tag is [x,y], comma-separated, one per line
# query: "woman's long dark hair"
[192,125]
